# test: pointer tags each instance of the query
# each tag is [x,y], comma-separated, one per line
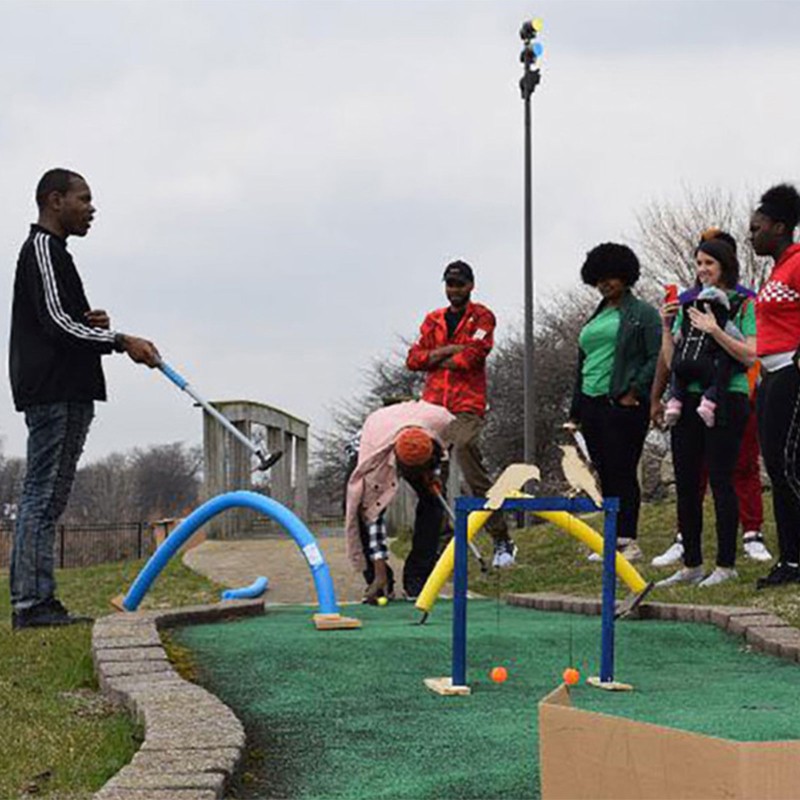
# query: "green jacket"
[636,352]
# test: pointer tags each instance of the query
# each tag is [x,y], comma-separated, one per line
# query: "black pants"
[615,437]
[430,525]
[778,409]
[693,444]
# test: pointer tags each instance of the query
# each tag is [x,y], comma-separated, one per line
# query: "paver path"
[239,562]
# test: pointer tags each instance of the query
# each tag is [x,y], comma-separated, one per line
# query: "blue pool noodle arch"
[257,502]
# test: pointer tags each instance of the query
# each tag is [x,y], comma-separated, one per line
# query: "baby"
[698,357]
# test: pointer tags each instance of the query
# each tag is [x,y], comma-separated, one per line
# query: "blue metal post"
[459,675]
[611,507]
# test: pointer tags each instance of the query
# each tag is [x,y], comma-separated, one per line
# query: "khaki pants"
[465,433]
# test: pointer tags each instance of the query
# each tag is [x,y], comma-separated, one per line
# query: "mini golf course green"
[345,714]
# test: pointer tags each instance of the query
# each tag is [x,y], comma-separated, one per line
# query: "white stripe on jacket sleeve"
[53,301]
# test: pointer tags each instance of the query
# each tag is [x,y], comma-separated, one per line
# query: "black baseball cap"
[460,271]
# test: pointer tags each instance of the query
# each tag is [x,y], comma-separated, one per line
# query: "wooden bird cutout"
[511,479]
[578,474]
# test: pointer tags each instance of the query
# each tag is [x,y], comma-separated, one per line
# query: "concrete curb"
[193,742]
[761,630]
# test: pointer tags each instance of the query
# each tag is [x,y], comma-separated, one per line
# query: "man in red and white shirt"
[778,346]
[453,345]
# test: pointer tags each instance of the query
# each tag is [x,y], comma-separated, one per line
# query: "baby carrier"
[698,357]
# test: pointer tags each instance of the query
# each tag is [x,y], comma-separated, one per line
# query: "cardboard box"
[584,754]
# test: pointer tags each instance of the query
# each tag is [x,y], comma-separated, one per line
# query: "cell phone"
[671,293]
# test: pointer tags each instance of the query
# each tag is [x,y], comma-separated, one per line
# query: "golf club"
[472,546]
[265,459]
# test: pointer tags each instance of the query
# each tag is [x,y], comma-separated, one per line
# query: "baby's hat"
[713,294]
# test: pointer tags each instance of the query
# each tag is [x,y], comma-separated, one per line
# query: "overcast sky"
[280,184]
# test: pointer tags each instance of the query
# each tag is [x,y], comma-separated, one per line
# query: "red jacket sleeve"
[479,345]
[418,353]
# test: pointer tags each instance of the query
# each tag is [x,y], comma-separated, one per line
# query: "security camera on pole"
[531,51]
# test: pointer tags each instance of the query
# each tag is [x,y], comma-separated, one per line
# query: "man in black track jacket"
[57,340]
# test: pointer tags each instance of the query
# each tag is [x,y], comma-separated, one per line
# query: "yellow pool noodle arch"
[567,522]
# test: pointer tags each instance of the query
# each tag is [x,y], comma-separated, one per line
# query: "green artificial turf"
[345,714]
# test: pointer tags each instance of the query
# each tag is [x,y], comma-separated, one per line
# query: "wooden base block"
[609,686]
[335,622]
[116,603]
[445,686]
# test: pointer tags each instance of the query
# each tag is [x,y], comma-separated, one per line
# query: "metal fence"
[89,544]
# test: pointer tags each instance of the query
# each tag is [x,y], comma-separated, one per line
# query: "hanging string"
[497,596]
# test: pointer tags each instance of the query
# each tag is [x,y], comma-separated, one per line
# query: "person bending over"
[408,440]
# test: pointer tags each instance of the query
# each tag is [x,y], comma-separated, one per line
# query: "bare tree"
[102,492]
[556,354]
[165,480]
[387,379]
[668,233]
[12,473]
[144,484]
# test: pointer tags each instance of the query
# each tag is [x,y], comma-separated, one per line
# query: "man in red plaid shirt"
[452,348]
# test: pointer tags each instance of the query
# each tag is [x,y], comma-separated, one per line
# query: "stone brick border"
[193,742]
[760,629]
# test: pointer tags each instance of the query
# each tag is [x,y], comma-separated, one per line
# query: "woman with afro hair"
[778,348]
[617,355]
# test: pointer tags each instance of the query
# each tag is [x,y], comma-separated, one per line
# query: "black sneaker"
[49,613]
[411,591]
[779,575]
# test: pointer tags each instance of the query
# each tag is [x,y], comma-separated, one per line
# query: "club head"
[632,602]
[268,459]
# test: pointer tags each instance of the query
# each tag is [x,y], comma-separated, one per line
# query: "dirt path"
[239,562]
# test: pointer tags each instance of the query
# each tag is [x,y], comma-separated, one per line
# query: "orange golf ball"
[499,674]
[571,676]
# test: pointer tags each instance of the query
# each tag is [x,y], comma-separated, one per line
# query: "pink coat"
[373,484]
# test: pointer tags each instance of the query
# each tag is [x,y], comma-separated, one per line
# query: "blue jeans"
[56,435]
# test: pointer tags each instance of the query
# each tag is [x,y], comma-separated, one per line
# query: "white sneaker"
[719,575]
[672,555]
[690,575]
[627,547]
[631,551]
[505,553]
[755,548]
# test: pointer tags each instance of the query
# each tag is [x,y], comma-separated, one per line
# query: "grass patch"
[58,736]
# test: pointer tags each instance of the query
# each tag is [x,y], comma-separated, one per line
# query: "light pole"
[531,50]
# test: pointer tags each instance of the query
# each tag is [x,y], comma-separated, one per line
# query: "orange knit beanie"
[413,447]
